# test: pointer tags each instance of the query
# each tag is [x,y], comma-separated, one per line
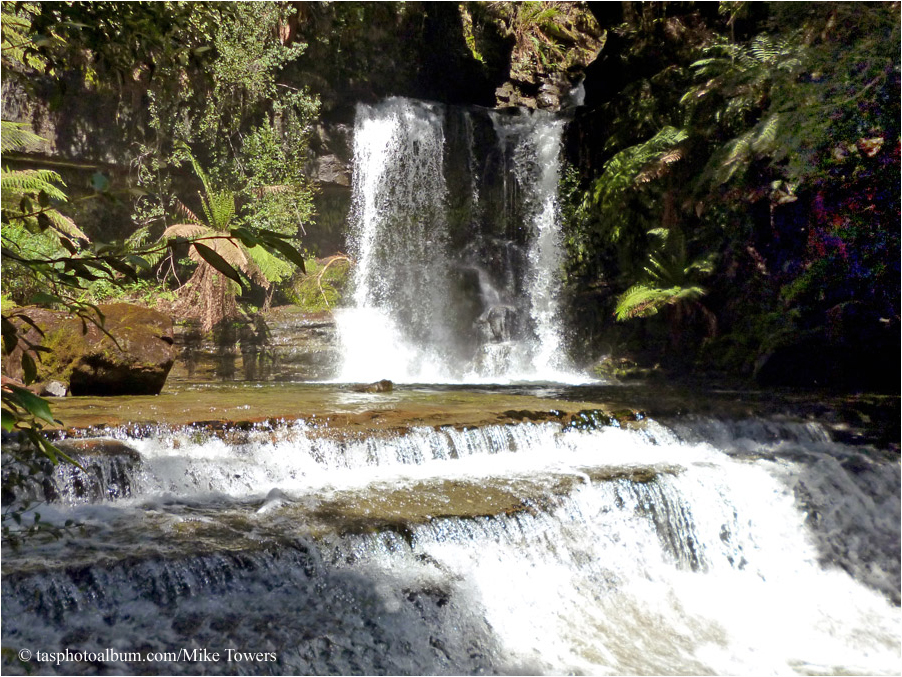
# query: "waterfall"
[531,147]
[535,548]
[400,315]
[455,230]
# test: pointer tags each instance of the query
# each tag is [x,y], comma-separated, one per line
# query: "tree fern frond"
[660,233]
[219,208]
[31,181]
[18,136]
[186,230]
[272,268]
[640,300]
[229,249]
[65,225]
[701,266]
[138,240]
[766,134]
[625,168]
[182,209]
[16,28]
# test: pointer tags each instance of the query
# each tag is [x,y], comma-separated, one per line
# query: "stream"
[428,531]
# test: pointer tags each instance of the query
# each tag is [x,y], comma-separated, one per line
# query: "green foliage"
[644,299]
[222,248]
[671,279]
[788,127]
[209,73]
[548,36]
[19,136]
[275,176]
[248,58]
[469,33]
[322,287]
[627,171]
[254,132]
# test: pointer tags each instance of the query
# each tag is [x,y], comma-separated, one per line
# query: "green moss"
[7,304]
[322,287]
[67,345]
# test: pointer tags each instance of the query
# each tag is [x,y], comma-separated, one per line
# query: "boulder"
[130,355]
[54,389]
[383,386]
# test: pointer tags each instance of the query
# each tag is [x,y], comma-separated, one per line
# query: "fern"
[635,165]
[18,46]
[18,183]
[272,268]
[27,193]
[645,300]
[66,226]
[139,240]
[219,208]
[671,279]
[18,136]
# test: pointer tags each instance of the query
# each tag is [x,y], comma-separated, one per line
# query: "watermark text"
[180,656]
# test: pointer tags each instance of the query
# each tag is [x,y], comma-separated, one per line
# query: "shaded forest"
[730,199]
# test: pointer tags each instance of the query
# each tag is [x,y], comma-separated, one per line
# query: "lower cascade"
[455,230]
[530,548]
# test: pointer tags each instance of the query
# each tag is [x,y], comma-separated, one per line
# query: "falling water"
[531,146]
[400,317]
[455,230]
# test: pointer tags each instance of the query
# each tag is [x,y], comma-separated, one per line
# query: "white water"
[716,566]
[531,147]
[399,238]
[411,321]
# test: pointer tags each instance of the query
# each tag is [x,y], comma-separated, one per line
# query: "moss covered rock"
[127,352]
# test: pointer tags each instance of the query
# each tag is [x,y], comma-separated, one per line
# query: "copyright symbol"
[24,655]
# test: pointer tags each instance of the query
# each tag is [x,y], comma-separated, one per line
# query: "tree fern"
[636,164]
[208,295]
[644,299]
[28,193]
[671,279]
[18,46]
[18,183]
[272,268]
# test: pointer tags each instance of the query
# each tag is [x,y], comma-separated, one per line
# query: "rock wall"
[284,344]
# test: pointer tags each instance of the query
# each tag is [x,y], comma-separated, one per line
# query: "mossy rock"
[625,369]
[130,354]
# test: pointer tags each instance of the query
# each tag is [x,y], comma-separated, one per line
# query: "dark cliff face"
[453,53]
[364,52]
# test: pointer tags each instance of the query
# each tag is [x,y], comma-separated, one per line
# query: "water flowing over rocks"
[454,227]
[460,532]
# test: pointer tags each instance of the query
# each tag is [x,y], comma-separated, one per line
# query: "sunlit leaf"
[219,263]
[287,251]
[7,420]
[34,405]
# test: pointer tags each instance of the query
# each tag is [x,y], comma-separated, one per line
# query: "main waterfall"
[455,231]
